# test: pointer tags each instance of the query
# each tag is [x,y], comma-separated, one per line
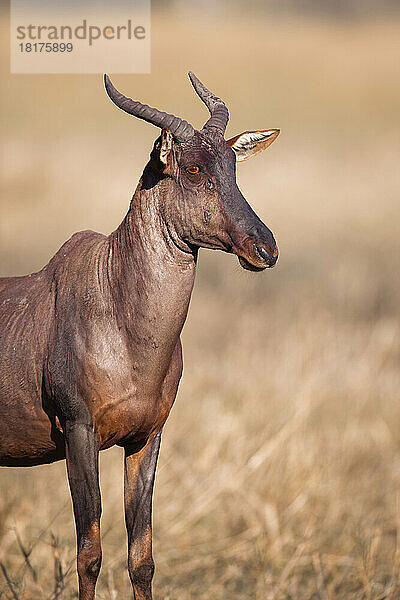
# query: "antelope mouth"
[250,266]
[261,258]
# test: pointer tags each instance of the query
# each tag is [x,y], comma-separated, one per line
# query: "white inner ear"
[166,146]
[251,142]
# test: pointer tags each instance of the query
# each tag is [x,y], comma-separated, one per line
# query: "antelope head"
[204,206]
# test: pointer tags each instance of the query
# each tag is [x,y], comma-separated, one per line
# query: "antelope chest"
[129,403]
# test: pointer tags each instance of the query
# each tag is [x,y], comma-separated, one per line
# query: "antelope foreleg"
[82,453]
[140,467]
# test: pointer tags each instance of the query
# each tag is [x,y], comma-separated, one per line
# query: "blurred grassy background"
[293,489]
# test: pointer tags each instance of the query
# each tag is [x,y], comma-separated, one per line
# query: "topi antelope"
[90,351]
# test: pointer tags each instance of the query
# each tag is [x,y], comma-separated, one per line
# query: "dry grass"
[292,489]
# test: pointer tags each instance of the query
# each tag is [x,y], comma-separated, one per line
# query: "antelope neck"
[150,278]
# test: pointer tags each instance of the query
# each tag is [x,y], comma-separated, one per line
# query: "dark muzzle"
[266,254]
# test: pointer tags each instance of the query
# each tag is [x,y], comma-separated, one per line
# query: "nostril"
[263,253]
[269,258]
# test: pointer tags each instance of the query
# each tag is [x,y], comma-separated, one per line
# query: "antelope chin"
[249,266]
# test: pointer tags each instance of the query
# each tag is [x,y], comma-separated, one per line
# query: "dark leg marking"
[82,452]
[140,467]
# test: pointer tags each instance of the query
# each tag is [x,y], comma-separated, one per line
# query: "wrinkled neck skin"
[150,273]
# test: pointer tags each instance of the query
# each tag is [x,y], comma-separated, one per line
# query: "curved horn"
[218,110]
[180,129]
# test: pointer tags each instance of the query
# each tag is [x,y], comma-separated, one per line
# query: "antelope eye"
[193,170]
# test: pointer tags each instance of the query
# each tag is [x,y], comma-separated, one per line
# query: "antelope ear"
[165,147]
[248,144]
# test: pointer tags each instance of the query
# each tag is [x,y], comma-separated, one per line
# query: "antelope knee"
[142,575]
[89,562]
